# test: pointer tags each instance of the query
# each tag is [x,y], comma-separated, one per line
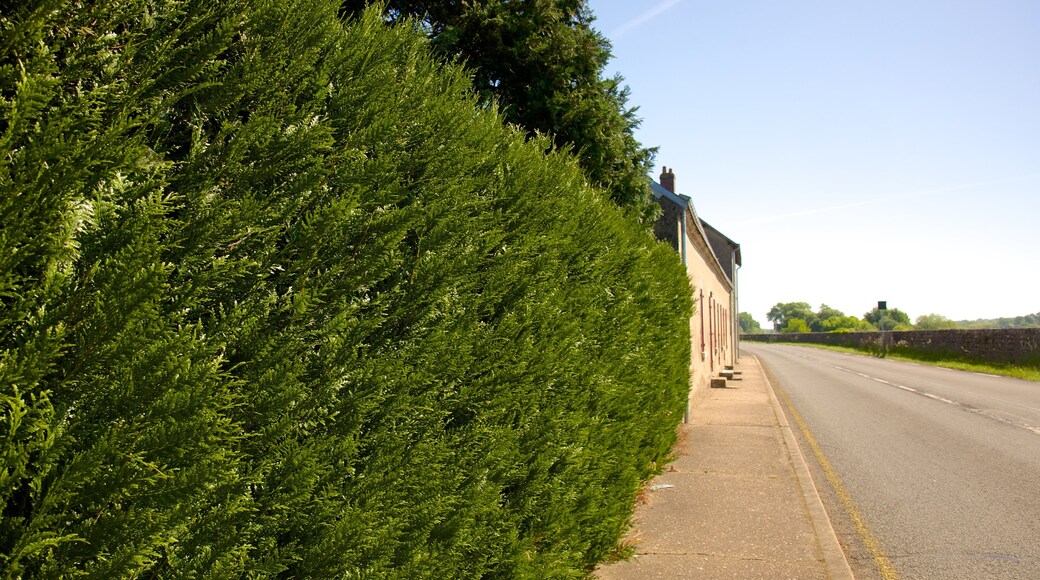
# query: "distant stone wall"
[1013,345]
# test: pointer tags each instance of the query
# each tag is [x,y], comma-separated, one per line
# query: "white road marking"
[934,397]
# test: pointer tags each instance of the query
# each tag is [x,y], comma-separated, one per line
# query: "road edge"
[834,557]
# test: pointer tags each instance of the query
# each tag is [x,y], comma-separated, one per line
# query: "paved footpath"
[738,501]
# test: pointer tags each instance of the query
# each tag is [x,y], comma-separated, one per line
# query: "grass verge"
[1029,372]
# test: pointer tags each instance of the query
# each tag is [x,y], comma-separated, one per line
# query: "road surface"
[926,472]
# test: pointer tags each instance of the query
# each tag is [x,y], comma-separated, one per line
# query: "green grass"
[1029,372]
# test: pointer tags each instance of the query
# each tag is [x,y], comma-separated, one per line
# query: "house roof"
[683,201]
[660,190]
[731,243]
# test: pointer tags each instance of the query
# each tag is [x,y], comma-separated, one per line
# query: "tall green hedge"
[280,298]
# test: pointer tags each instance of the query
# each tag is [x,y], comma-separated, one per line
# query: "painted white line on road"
[919,392]
[934,397]
[943,400]
[988,375]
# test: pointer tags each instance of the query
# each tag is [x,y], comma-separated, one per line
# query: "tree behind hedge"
[281,298]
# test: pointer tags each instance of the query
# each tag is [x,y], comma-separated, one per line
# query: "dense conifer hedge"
[279,299]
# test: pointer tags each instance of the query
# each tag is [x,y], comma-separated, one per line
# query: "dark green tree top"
[542,62]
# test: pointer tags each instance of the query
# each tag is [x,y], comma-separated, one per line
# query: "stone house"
[711,261]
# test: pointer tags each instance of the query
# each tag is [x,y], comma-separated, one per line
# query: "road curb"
[834,557]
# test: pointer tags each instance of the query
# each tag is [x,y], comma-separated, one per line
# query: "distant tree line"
[790,317]
[800,317]
[1027,321]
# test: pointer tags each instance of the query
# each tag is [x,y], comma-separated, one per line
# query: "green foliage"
[543,63]
[782,313]
[749,325]
[823,314]
[1027,321]
[796,325]
[1028,370]
[934,322]
[281,298]
[894,319]
[826,312]
[829,319]
[842,323]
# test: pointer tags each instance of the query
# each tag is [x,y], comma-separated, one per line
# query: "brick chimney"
[668,179]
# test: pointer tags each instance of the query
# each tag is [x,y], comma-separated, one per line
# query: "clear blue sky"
[858,151]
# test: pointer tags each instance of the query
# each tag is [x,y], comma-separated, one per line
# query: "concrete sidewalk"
[738,502]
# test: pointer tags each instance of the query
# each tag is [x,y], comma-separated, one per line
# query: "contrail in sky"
[644,17]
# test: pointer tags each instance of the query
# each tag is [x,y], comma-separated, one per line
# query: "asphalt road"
[926,472]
